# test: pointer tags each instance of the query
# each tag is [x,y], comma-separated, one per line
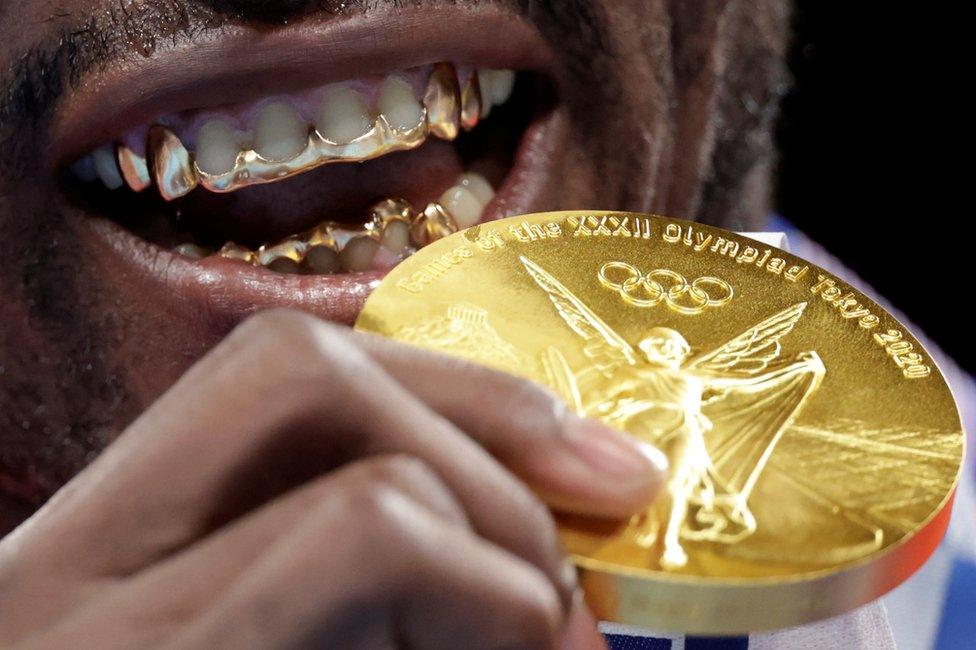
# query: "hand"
[303,485]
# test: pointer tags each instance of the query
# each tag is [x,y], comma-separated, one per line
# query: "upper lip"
[242,64]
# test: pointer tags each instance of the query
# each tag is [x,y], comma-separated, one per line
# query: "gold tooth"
[252,169]
[329,247]
[342,236]
[171,165]
[447,109]
[320,235]
[292,249]
[471,102]
[392,209]
[291,255]
[395,217]
[233,251]
[435,223]
[443,102]
[134,168]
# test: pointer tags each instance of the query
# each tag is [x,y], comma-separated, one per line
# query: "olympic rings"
[663,285]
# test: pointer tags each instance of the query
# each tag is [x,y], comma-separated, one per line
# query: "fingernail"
[611,452]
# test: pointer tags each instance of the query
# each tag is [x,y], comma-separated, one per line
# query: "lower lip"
[227,291]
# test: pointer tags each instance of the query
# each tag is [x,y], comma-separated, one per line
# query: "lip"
[295,57]
[223,291]
[242,64]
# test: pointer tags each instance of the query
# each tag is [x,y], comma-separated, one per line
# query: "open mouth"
[295,167]
[348,177]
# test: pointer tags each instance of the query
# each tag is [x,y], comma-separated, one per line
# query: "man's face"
[619,104]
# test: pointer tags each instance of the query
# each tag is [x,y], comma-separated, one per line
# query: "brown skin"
[339,498]
[186,530]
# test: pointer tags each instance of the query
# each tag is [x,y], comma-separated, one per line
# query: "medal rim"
[784,599]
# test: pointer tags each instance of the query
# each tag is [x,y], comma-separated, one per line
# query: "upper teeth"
[343,115]
[134,169]
[106,168]
[398,105]
[443,102]
[172,167]
[217,148]
[281,142]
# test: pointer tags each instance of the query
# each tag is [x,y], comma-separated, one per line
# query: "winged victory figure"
[717,416]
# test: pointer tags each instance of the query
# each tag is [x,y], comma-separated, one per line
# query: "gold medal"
[814,446]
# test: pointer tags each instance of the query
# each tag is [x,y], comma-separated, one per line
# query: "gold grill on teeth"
[448,107]
[134,169]
[472,102]
[252,169]
[443,102]
[329,247]
[171,165]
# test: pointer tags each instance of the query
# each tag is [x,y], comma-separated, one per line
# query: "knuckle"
[378,504]
[390,520]
[543,401]
[421,482]
[293,348]
[535,407]
[281,334]
[384,531]
[530,427]
[538,518]
[267,338]
[271,320]
[390,493]
[398,469]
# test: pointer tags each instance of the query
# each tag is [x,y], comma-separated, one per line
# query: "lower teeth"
[393,231]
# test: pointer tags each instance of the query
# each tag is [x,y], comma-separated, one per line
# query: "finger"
[181,588]
[205,569]
[227,438]
[393,574]
[577,465]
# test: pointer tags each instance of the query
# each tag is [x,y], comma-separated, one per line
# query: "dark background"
[875,155]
